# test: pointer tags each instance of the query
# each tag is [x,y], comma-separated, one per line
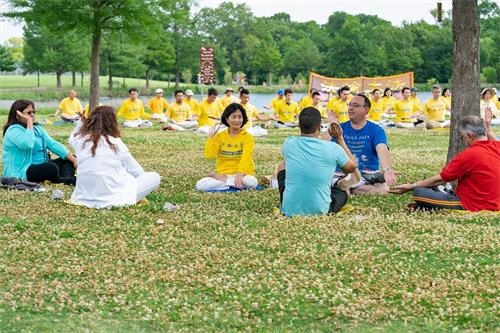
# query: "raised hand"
[335,131]
[213,131]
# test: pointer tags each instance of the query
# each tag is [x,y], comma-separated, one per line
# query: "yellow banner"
[328,86]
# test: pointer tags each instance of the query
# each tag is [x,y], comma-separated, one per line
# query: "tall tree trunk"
[73,79]
[94,69]
[177,77]
[58,75]
[38,78]
[81,82]
[110,80]
[147,79]
[270,83]
[465,101]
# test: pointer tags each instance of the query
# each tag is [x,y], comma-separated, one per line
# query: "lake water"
[259,100]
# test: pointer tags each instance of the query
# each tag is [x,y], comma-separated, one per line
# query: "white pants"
[147,183]
[405,125]
[257,131]
[437,124]
[137,123]
[285,125]
[211,184]
[161,117]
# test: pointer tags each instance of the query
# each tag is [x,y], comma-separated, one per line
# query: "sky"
[395,11]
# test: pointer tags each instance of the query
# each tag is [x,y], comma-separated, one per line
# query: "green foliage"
[490,74]
[14,46]
[187,75]
[6,62]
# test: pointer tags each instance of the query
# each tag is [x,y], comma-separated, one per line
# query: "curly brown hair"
[100,122]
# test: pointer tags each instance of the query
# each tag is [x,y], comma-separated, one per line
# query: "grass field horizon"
[225,262]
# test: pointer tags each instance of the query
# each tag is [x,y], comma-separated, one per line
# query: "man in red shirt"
[477,170]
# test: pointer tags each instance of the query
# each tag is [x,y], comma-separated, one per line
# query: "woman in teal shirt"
[26,148]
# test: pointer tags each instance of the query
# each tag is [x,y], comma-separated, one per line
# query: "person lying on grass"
[305,176]
[477,170]
[108,175]
[232,148]
[26,146]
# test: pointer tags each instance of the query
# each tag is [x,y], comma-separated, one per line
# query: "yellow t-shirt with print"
[287,112]
[158,105]
[340,108]
[207,110]
[251,112]
[70,107]
[179,112]
[435,109]
[226,100]
[132,110]
[388,101]
[376,110]
[305,102]
[275,101]
[232,154]
[193,104]
[404,110]
[416,101]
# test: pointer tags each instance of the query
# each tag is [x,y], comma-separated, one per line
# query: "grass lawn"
[223,262]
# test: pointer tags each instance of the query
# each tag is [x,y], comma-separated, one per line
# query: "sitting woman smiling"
[26,148]
[232,148]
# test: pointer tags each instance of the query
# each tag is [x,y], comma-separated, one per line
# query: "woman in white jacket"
[108,175]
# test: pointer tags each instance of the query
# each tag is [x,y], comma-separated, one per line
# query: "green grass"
[224,262]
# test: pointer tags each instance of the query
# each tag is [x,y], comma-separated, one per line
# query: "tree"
[466,73]
[158,56]
[15,46]
[6,62]
[88,18]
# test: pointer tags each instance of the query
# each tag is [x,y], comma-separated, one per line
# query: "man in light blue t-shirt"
[368,143]
[304,177]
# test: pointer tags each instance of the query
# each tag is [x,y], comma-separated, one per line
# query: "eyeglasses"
[31,112]
[355,105]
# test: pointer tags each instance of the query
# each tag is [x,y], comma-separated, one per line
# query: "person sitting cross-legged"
[305,175]
[477,170]
[132,110]
[232,148]
[108,175]
[368,143]
[179,114]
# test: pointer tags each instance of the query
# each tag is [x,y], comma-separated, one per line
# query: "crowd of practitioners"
[342,148]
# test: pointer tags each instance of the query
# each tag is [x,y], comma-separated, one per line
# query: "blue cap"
[281,92]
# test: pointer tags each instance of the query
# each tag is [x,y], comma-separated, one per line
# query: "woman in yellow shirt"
[232,149]
[388,100]
[446,96]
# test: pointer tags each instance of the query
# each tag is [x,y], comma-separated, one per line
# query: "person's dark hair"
[444,91]
[19,105]
[178,91]
[240,88]
[315,94]
[100,122]
[132,89]
[405,88]
[344,88]
[474,126]
[366,100]
[244,91]
[229,110]
[386,90]
[309,120]
[212,92]
[288,91]
[375,90]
